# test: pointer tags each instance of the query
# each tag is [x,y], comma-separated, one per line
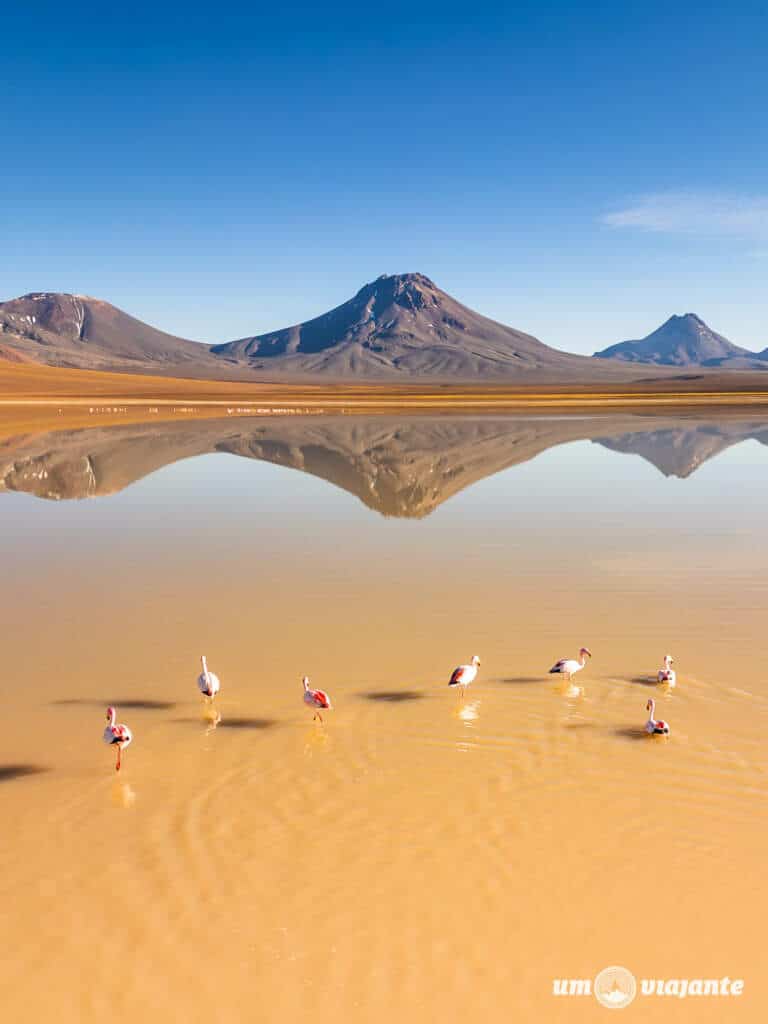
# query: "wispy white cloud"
[695,213]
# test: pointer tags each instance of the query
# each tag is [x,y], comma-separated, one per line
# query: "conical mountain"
[399,326]
[681,341]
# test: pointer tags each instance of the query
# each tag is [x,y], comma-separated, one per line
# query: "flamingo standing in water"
[667,674]
[464,674]
[655,726]
[318,700]
[116,735]
[570,666]
[207,682]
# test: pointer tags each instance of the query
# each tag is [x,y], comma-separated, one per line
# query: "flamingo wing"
[458,675]
[321,698]
[558,666]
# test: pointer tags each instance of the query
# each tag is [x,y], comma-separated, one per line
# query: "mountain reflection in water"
[403,467]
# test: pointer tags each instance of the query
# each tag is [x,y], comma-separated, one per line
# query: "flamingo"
[464,674]
[570,666]
[667,674]
[317,699]
[116,735]
[207,682]
[655,726]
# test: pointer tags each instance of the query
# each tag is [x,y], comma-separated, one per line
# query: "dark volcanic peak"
[682,341]
[399,325]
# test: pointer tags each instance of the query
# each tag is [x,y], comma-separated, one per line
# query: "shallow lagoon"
[420,854]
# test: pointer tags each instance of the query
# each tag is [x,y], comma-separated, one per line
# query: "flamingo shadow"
[644,681]
[628,732]
[519,680]
[9,772]
[189,720]
[131,703]
[392,696]
[247,723]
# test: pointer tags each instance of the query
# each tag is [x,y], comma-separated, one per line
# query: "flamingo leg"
[119,751]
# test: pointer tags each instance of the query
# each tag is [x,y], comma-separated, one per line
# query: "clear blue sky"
[578,170]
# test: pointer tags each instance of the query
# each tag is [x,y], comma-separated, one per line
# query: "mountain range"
[396,328]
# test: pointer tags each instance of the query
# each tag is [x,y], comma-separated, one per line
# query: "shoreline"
[28,389]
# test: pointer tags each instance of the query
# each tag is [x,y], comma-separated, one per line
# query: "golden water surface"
[418,856]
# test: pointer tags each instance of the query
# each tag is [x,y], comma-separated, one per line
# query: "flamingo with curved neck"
[570,666]
[465,674]
[318,700]
[655,726]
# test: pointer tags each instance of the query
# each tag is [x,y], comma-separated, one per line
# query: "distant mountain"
[78,331]
[404,326]
[683,341]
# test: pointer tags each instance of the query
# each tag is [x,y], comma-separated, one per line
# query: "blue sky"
[580,171]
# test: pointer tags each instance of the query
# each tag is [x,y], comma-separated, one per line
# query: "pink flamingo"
[667,674]
[570,666]
[208,682]
[655,726]
[318,700]
[116,735]
[465,674]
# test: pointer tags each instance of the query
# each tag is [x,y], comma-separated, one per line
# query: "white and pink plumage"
[116,735]
[570,666]
[464,674]
[667,674]
[655,726]
[318,700]
[208,682]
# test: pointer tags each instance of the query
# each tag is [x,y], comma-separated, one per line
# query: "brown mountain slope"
[78,331]
[404,326]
